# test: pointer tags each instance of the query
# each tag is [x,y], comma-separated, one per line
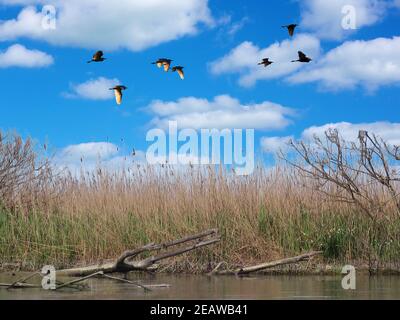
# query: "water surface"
[204,287]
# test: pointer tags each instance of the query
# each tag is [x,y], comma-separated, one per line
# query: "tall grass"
[273,213]
[261,217]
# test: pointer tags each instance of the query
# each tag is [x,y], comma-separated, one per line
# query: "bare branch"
[122,264]
[358,171]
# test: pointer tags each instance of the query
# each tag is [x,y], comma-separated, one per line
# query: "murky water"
[204,287]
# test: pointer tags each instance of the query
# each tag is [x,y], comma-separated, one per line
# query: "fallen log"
[19,285]
[79,280]
[126,263]
[269,265]
[145,287]
[23,280]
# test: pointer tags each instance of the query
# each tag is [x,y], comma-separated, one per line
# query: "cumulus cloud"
[91,155]
[275,144]
[93,89]
[243,59]
[388,131]
[325,18]
[131,24]
[92,150]
[229,28]
[235,27]
[220,113]
[19,56]
[370,64]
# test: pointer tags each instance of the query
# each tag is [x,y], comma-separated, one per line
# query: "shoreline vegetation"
[320,197]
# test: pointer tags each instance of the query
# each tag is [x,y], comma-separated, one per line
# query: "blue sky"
[354,77]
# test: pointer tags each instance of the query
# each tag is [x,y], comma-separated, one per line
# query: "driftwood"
[126,263]
[21,282]
[74,283]
[79,280]
[269,265]
[19,285]
[216,269]
[145,287]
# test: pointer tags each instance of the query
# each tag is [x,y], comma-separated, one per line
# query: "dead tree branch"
[125,262]
[273,264]
[359,173]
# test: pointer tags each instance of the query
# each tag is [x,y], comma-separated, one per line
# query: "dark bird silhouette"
[118,93]
[98,57]
[302,58]
[265,62]
[291,28]
[179,69]
[163,62]
[159,63]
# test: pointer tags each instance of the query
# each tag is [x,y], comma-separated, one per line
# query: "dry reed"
[270,214]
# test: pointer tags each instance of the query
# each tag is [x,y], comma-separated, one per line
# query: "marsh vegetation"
[329,195]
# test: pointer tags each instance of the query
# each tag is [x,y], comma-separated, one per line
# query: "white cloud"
[89,156]
[243,59]
[229,28]
[92,150]
[235,27]
[325,17]
[93,89]
[19,56]
[370,64]
[220,113]
[389,132]
[274,144]
[131,24]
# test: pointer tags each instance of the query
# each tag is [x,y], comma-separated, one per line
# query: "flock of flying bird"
[302,56]
[166,63]
[162,62]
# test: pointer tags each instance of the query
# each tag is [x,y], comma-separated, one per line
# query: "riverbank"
[300,269]
[263,217]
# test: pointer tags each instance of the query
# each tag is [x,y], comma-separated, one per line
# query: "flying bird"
[98,57]
[159,63]
[118,93]
[291,28]
[163,62]
[265,62]
[302,58]
[167,64]
[179,69]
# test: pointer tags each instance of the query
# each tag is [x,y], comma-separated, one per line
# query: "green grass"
[65,240]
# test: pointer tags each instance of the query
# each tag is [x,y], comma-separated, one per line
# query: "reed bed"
[270,214]
[67,219]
